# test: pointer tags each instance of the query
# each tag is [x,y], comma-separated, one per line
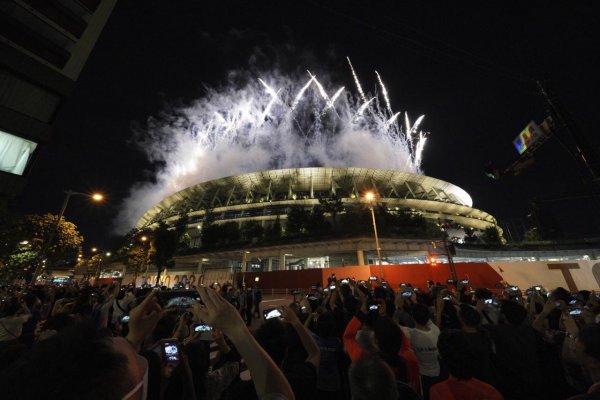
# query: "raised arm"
[267,377]
[311,347]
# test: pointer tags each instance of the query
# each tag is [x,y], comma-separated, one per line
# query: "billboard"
[527,137]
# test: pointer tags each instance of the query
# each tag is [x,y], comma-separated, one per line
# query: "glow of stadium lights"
[108,254]
[94,249]
[97,197]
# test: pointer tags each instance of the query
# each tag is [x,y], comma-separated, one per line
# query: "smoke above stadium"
[272,121]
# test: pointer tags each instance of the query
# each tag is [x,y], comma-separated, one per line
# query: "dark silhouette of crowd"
[348,340]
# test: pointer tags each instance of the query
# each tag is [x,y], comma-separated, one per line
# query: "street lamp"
[370,197]
[68,193]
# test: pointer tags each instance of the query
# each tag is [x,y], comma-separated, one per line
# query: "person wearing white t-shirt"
[423,338]
[15,315]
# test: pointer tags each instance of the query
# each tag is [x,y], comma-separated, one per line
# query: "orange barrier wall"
[479,274]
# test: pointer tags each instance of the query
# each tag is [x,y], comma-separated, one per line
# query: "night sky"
[471,71]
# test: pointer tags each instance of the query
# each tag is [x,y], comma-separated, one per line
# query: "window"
[15,153]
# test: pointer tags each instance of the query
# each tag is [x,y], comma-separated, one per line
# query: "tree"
[252,231]
[138,259]
[333,206]
[165,245]
[470,235]
[274,231]
[67,240]
[22,239]
[296,220]
[532,235]
[315,224]
[491,236]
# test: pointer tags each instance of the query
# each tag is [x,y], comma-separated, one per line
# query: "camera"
[271,313]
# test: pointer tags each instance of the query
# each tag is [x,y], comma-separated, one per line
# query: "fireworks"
[269,122]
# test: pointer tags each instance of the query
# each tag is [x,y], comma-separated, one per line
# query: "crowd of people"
[347,340]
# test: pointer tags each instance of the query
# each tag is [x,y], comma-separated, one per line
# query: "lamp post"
[370,196]
[68,193]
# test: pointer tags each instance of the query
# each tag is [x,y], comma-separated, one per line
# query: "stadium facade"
[268,196]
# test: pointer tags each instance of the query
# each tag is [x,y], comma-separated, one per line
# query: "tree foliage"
[22,240]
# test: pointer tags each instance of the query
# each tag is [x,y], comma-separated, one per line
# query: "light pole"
[68,193]
[370,196]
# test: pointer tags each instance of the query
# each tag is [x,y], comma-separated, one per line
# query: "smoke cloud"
[267,121]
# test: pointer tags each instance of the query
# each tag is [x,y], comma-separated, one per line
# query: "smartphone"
[271,313]
[170,351]
[447,297]
[345,281]
[576,311]
[464,282]
[374,307]
[514,288]
[205,331]
[125,319]
[538,288]
[572,302]
[332,287]
[372,278]
[326,290]
[203,328]
[489,301]
[178,298]
[407,294]
[450,282]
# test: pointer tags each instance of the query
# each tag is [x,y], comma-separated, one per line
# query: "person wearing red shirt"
[457,355]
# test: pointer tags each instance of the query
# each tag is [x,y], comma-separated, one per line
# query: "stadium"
[269,196]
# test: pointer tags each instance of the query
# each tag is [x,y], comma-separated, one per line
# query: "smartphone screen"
[575,312]
[125,319]
[447,297]
[271,313]
[171,351]
[332,287]
[177,298]
[406,294]
[203,328]
[372,278]
[489,301]
[345,281]
[373,307]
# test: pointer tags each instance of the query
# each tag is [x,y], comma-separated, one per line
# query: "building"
[269,196]
[43,48]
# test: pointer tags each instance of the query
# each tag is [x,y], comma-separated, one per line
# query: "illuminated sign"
[527,137]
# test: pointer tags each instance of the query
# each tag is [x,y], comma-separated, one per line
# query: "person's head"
[560,293]
[326,325]
[513,312]
[469,316]
[272,336]
[482,294]
[456,353]
[77,363]
[588,347]
[388,335]
[371,378]
[420,313]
